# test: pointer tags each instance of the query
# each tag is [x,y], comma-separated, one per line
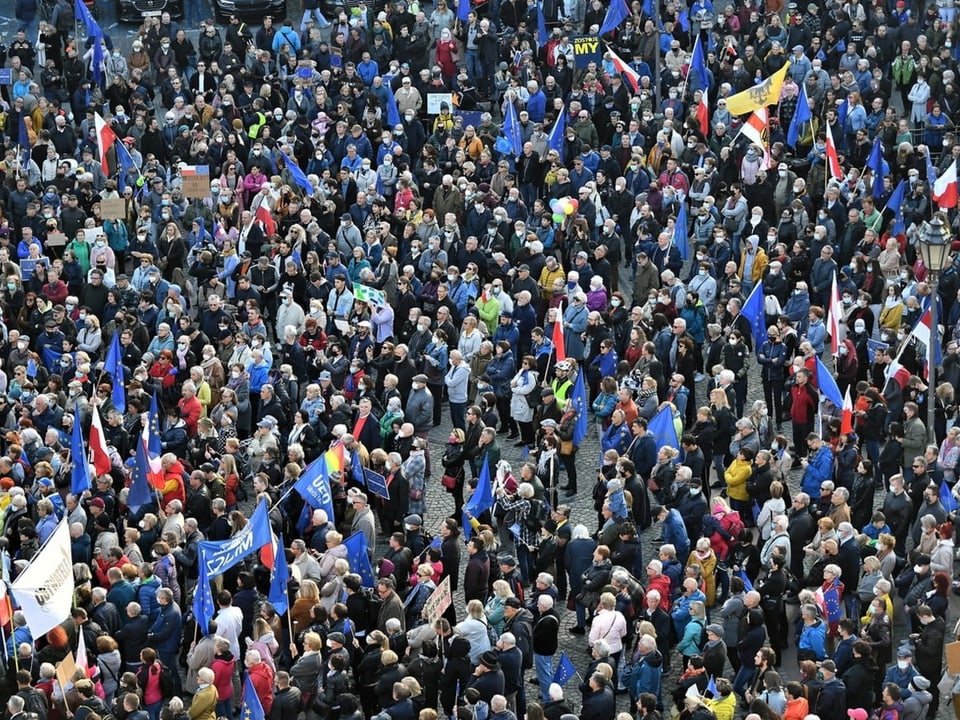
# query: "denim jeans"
[743,679]
[458,414]
[321,21]
[544,667]
[475,67]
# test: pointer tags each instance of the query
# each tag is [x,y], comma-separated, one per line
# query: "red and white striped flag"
[106,137]
[944,190]
[98,443]
[846,421]
[756,129]
[833,159]
[633,77]
[558,341]
[836,313]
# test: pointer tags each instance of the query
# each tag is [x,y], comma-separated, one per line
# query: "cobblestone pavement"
[440,505]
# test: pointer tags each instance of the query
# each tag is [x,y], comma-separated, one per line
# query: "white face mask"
[903,664]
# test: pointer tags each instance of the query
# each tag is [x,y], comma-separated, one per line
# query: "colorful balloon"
[575,203]
[569,209]
[557,217]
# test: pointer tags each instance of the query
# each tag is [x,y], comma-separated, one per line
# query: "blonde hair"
[475,609]
[502,589]
[309,590]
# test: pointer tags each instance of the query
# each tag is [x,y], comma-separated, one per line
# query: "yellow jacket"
[759,265]
[890,316]
[736,476]
[547,278]
[204,704]
[723,708]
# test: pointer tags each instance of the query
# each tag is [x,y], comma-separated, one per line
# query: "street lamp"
[935,250]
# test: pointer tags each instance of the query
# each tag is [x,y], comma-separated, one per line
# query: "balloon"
[557,217]
[569,209]
[553,204]
[575,203]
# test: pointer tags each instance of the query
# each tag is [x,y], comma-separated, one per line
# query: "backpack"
[734,524]
[167,682]
[218,489]
[536,516]
[97,706]
[34,703]
[67,18]
[374,603]
[702,642]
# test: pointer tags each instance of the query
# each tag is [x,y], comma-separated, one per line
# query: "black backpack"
[536,516]
[34,703]
[167,682]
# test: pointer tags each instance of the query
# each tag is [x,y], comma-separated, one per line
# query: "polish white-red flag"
[98,443]
[836,313]
[944,191]
[833,159]
[846,420]
[106,137]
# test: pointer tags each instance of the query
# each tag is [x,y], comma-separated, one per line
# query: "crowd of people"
[555,256]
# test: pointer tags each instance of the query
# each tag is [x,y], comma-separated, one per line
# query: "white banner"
[44,590]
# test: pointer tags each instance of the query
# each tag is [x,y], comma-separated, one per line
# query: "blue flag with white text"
[216,557]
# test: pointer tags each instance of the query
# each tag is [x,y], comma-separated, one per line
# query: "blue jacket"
[819,468]
[606,363]
[500,371]
[814,638]
[675,533]
[616,437]
[164,636]
[368,70]
[647,676]
[509,332]
[691,637]
[681,611]
[901,677]
[147,597]
[817,334]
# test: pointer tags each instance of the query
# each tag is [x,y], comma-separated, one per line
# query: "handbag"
[566,447]
[449,481]
[416,494]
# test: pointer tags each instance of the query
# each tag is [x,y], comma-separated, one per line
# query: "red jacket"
[661,583]
[262,678]
[190,411]
[173,484]
[803,409]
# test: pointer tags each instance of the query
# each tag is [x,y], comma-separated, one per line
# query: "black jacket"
[832,704]
[860,680]
[286,704]
[545,634]
[599,704]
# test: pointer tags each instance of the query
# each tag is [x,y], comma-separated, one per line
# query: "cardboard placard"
[113,208]
[434,101]
[56,240]
[196,181]
[953,657]
[438,601]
